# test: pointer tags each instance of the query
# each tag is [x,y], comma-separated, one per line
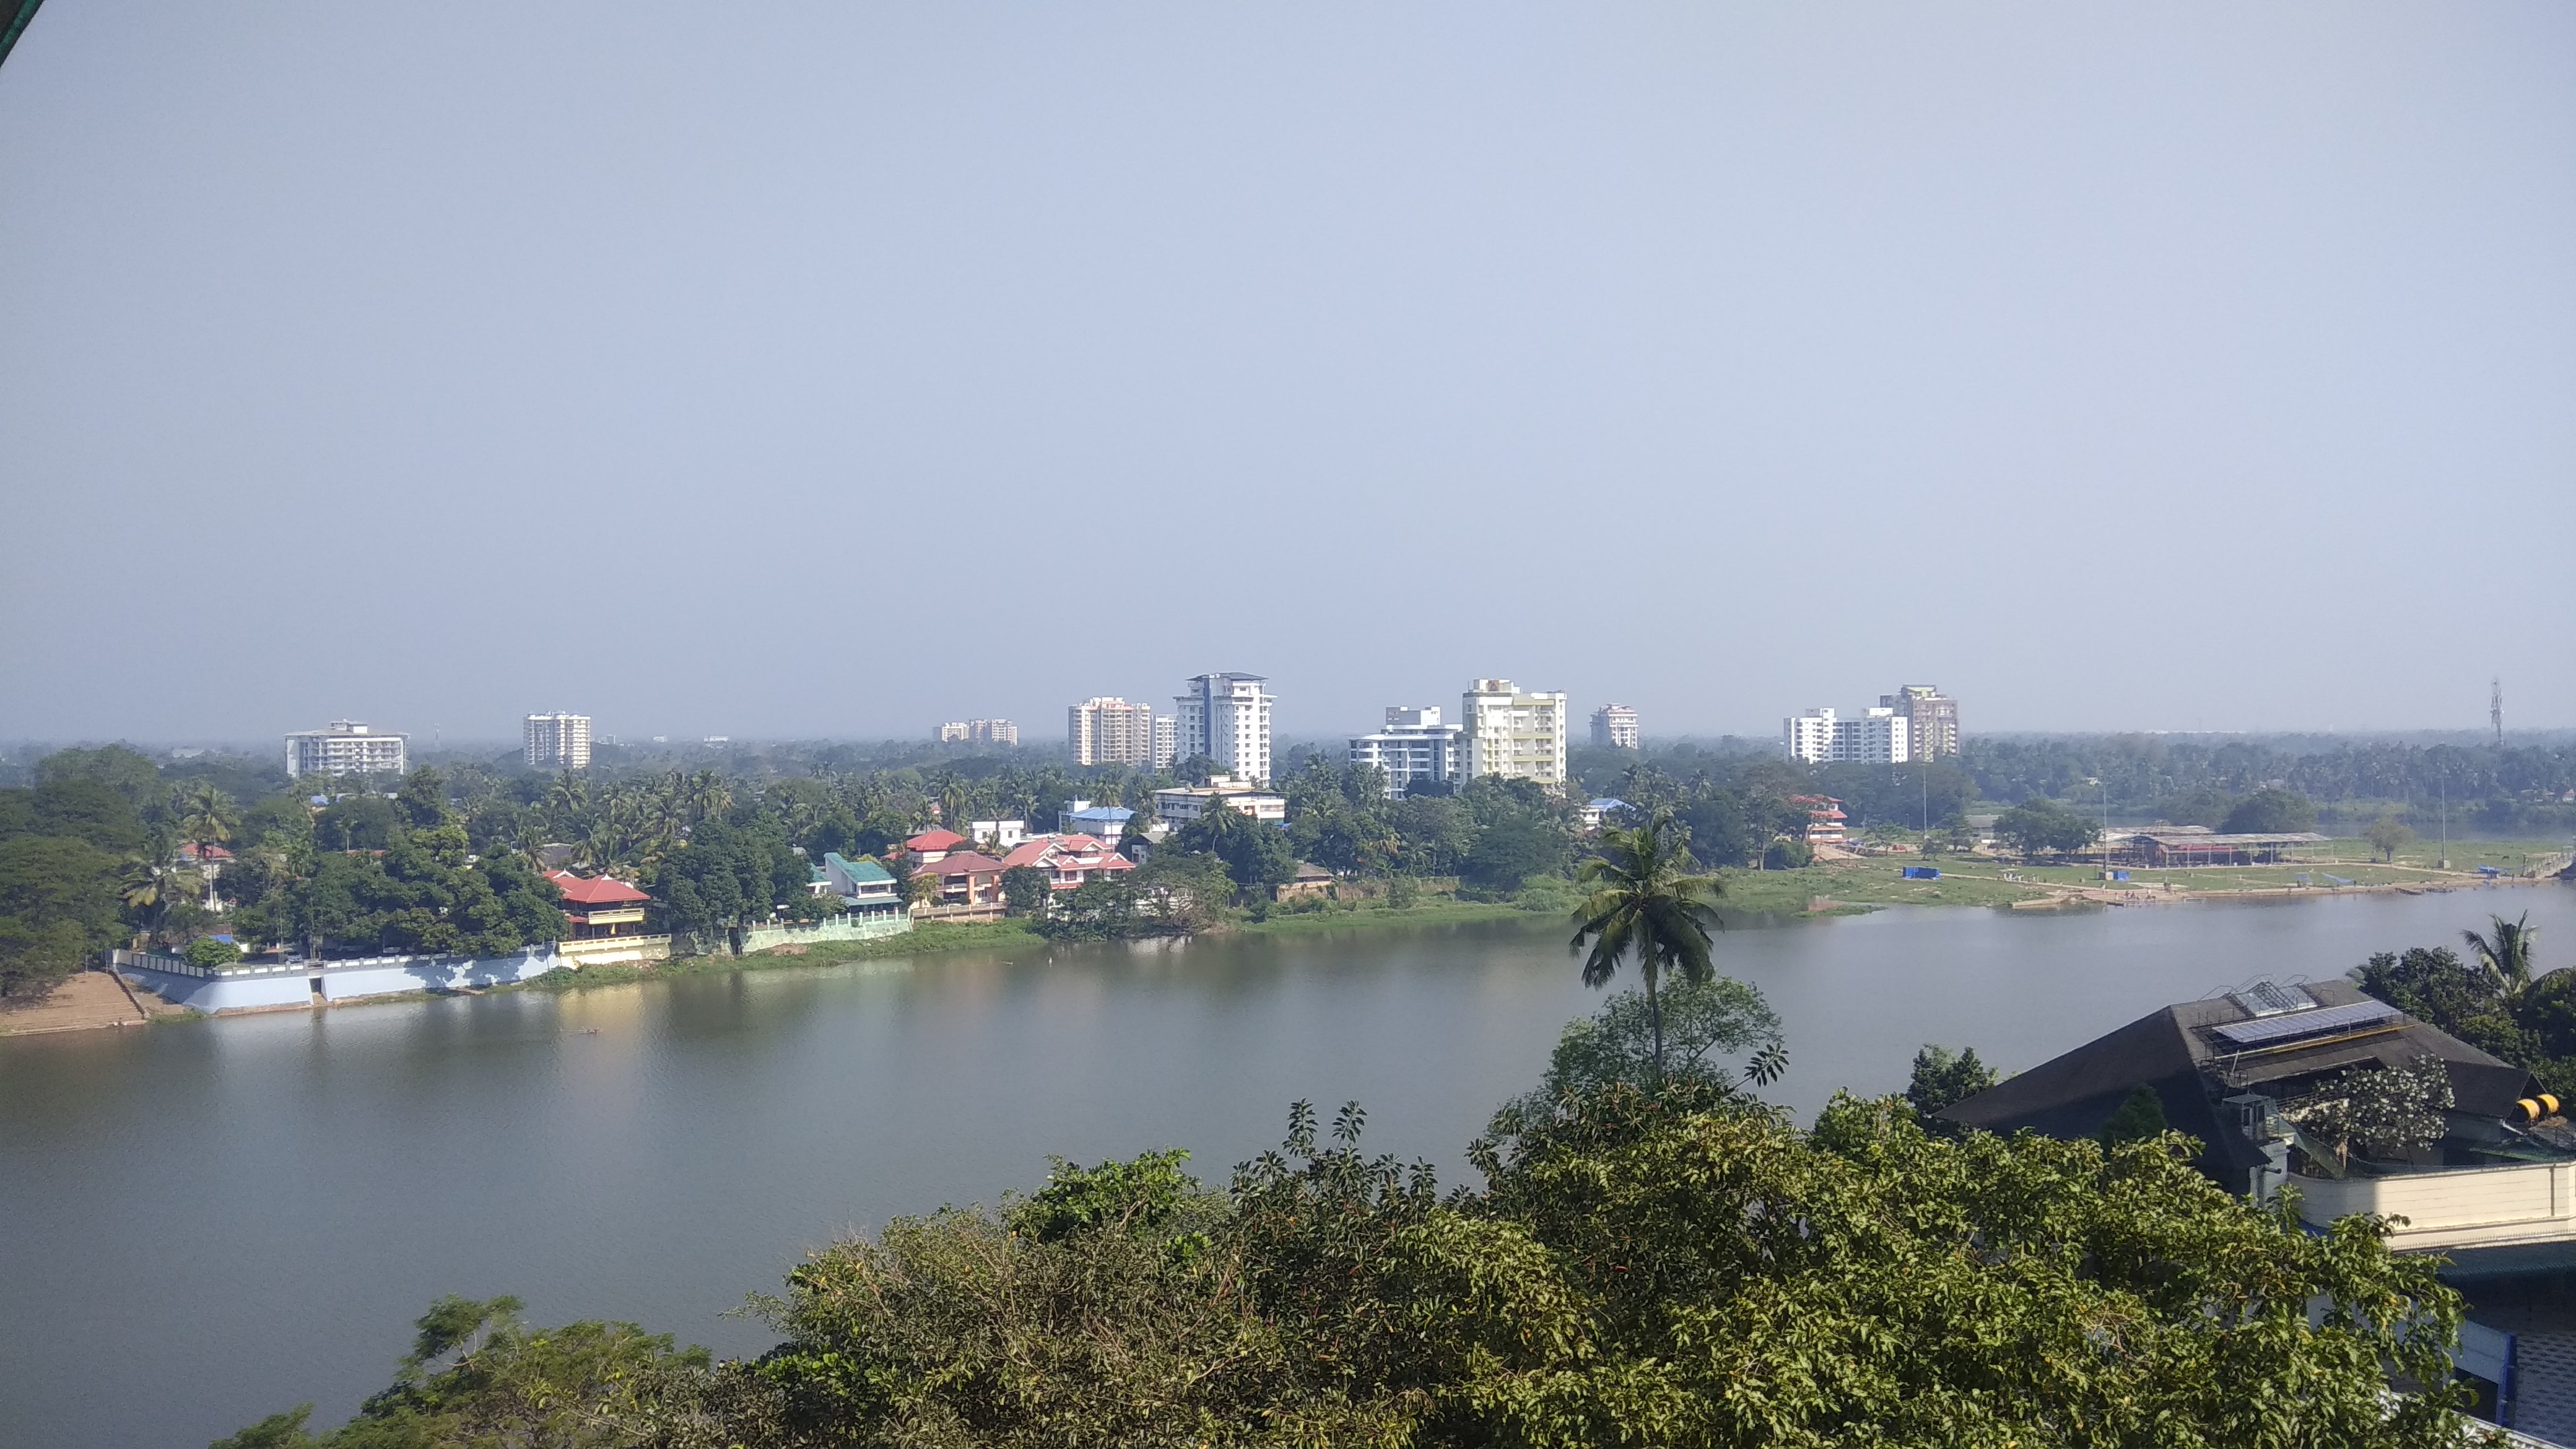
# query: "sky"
[833,370]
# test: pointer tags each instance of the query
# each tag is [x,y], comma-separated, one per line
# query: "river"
[205,1222]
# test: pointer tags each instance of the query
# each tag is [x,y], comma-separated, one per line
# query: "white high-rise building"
[1226,717]
[1614,727]
[1167,741]
[1822,737]
[1413,748]
[979,732]
[1110,731]
[558,742]
[1513,735]
[346,748]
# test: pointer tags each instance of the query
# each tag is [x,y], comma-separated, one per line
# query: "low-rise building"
[1070,860]
[863,886]
[1081,817]
[1614,727]
[557,741]
[1821,736]
[932,844]
[345,747]
[598,907]
[2171,847]
[967,881]
[1414,747]
[1182,804]
[1513,734]
[1826,822]
[997,834]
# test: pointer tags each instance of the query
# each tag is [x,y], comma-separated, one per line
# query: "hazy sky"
[834,369]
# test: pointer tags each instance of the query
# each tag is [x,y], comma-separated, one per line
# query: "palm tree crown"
[2505,950]
[1648,902]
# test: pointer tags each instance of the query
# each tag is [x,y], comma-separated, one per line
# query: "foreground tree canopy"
[1653,1267]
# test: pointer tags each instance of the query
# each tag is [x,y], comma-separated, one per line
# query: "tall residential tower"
[1513,735]
[558,742]
[1226,717]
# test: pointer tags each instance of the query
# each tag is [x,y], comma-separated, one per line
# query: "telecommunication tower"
[2495,710]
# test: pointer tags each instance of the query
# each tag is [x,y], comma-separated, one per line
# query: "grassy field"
[1974,880]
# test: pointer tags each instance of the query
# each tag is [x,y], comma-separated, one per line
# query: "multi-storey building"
[1413,748]
[1226,717]
[1182,804]
[1167,741]
[558,742]
[346,748]
[979,732]
[1820,737]
[1931,720]
[1511,734]
[1614,727]
[1110,731]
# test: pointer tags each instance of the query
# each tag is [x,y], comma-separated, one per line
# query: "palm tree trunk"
[1655,1013]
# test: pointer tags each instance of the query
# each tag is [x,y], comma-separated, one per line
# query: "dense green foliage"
[2140,1117]
[89,859]
[1674,1268]
[2529,1021]
[1654,1258]
[2044,827]
[1174,893]
[1943,1078]
[2188,782]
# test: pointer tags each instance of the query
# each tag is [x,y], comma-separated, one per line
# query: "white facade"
[558,742]
[979,732]
[997,834]
[1614,726]
[1413,747]
[1822,737]
[1167,741]
[1179,806]
[1513,735]
[1110,731]
[346,748]
[1226,717]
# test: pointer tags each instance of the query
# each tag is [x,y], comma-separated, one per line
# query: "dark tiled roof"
[2172,1052]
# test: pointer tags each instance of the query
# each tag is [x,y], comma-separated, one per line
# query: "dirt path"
[90,999]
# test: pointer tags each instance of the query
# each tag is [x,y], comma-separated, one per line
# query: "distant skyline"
[835,370]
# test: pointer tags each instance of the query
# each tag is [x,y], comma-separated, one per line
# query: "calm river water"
[206,1222]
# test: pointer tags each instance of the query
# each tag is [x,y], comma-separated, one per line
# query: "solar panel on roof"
[2292,1026]
[2271,998]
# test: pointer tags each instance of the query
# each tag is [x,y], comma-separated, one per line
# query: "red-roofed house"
[967,881]
[934,843]
[596,906]
[1069,860]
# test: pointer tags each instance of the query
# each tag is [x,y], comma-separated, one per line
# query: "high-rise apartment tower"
[1614,727]
[1226,717]
[1931,720]
[1110,731]
[346,748]
[558,741]
[1512,734]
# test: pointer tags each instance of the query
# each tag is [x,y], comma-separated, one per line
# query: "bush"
[208,952]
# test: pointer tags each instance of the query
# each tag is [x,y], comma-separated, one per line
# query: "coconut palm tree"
[1649,903]
[2505,950]
[206,819]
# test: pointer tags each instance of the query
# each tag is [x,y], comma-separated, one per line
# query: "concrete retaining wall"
[838,928]
[266,988]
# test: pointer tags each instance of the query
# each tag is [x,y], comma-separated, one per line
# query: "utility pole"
[2495,710]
